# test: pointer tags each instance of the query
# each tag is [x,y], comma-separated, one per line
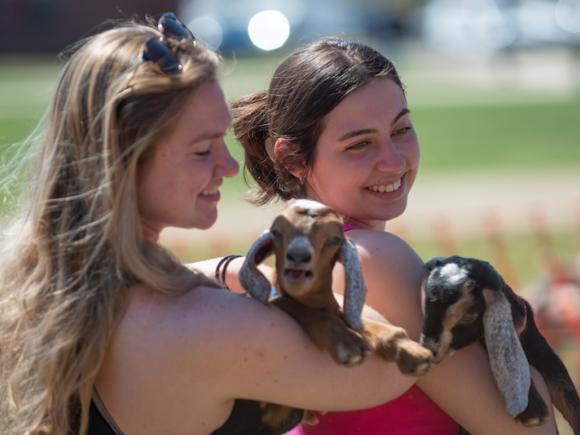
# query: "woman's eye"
[358,145]
[402,131]
[201,148]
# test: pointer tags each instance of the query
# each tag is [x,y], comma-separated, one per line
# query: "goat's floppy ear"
[508,361]
[355,291]
[254,281]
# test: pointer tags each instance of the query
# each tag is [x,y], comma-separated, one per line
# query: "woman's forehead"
[206,109]
[379,101]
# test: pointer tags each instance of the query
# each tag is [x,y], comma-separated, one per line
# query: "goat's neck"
[320,295]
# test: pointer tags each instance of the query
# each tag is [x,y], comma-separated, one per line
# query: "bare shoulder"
[393,273]
[223,343]
[201,317]
[167,349]
[378,247]
[212,329]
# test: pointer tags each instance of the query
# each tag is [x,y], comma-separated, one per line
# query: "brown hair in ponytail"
[306,86]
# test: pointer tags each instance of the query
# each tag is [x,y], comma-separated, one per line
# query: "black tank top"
[245,419]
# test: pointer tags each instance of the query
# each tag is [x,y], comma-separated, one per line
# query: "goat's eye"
[468,318]
[334,241]
[469,284]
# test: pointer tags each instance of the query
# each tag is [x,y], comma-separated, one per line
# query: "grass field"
[460,127]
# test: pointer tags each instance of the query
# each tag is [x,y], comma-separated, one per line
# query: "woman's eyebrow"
[208,136]
[354,133]
[403,112]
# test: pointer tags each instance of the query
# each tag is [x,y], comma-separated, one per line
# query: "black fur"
[441,292]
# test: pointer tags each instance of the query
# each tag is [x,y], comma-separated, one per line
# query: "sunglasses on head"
[175,36]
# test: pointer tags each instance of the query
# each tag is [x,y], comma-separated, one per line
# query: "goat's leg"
[560,385]
[393,344]
[328,331]
[536,413]
[279,419]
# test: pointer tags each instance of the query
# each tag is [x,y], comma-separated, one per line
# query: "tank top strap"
[348,227]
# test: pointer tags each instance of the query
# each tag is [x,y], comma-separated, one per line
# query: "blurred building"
[458,27]
[38,26]
[245,26]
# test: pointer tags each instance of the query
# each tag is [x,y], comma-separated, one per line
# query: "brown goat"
[466,300]
[307,239]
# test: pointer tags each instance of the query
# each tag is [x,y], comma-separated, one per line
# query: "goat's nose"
[298,255]
[299,250]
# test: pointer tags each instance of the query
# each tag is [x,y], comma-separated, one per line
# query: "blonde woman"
[103,331]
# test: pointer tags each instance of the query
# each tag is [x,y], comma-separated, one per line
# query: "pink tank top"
[412,413]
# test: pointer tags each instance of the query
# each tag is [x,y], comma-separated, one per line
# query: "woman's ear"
[285,152]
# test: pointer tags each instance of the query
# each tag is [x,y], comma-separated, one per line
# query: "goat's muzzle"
[440,348]
[297,276]
[297,271]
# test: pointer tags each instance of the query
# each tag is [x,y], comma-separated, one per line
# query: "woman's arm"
[184,359]
[258,352]
[208,268]
[462,385]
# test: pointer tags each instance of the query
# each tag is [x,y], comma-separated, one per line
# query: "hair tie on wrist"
[221,269]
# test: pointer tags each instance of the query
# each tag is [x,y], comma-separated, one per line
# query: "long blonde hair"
[77,245]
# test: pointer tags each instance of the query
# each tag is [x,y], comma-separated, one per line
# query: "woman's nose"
[390,157]
[227,166]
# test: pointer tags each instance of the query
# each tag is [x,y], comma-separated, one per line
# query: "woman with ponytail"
[335,126]
[102,330]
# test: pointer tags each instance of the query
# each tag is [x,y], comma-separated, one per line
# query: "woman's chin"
[395,210]
[204,222]
[205,225]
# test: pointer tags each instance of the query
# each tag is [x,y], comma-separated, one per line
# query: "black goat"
[466,300]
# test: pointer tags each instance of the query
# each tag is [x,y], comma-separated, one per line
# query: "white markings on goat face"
[308,204]
[452,273]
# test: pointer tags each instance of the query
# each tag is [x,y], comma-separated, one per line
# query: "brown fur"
[307,241]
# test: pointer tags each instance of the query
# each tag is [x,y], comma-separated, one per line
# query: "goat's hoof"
[530,419]
[310,418]
[534,421]
[351,350]
[536,413]
[280,419]
[413,359]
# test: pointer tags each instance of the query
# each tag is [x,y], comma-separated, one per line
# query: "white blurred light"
[567,15]
[208,30]
[269,29]
[471,28]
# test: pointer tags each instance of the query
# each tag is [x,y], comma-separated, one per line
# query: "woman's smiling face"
[367,156]
[179,184]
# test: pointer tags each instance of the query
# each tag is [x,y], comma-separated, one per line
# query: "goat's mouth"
[440,350]
[441,355]
[296,276]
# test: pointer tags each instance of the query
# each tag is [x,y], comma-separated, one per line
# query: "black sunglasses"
[163,51]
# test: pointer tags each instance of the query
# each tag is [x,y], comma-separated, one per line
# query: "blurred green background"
[492,124]
[506,113]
